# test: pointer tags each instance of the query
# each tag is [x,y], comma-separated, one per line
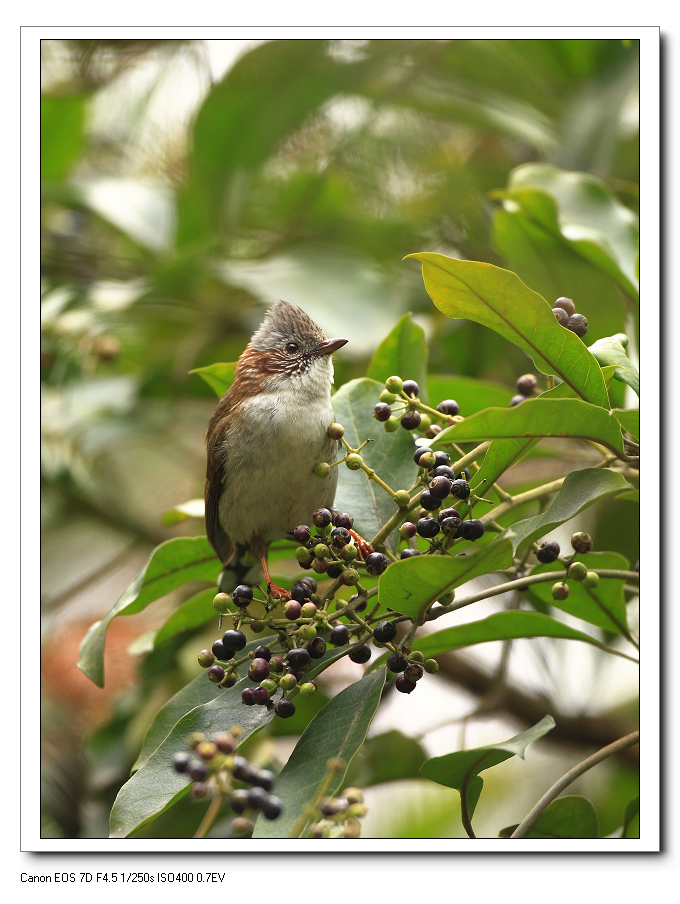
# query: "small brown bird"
[267,434]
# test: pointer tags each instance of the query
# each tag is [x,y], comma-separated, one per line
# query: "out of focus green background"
[186,185]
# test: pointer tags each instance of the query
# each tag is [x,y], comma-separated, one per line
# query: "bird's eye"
[292,348]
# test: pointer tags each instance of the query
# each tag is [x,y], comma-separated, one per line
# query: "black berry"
[272,807]
[322,517]
[420,450]
[302,534]
[339,635]
[414,672]
[216,673]
[566,304]
[411,388]
[526,384]
[472,529]
[548,552]
[444,471]
[316,647]
[428,528]
[239,801]
[262,652]
[581,542]
[298,658]
[404,685]
[561,316]
[448,513]
[309,581]
[258,670]
[264,778]
[340,536]
[376,563]
[460,488]
[448,406]
[441,458]
[452,528]
[247,696]
[335,569]
[342,519]
[234,640]
[440,486]
[397,663]
[300,592]
[385,631]
[221,652]
[516,399]
[578,324]
[429,502]
[180,761]
[242,595]
[410,420]
[197,770]
[363,654]
[257,797]
[408,553]
[261,696]
[382,412]
[285,708]
[465,473]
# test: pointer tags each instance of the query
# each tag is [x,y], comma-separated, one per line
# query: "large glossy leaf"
[538,418]
[629,418]
[171,564]
[156,786]
[460,769]
[612,350]
[402,352]
[389,454]
[582,212]
[387,757]
[61,133]
[471,395]
[567,817]
[498,299]
[500,626]
[219,377]
[413,585]
[631,819]
[193,613]
[603,605]
[338,730]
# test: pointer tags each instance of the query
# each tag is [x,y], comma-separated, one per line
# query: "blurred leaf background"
[185,186]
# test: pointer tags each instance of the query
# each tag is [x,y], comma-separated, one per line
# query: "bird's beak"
[329,346]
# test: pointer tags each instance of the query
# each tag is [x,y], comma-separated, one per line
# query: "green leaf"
[194,508]
[629,418]
[500,626]
[414,584]
[472,395]
[538,418]
[338,730]
[193,613]
[459,770]
[219,377]
[603,605]
[498,299]
[171,564]
[387,757]
[156,786]
[389,454]
[402,352]
[631,819]
[567,817]
[583,213]
[61,133]
[612,350]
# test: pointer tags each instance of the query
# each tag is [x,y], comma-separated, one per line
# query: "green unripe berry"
[356,810]
[336,431]
[354,461]
[307,688]
[577,571]
[425,422]
[416,656]
[394,384]
[308,610]
[431,666]
[206,658]
[221,603]
[560,591]
[269,684]
[388,397]
[321,550]
[287,682]
[427,460]
[402,498]
[322,470]
[307,632]
[446,598]
[391,424]
[592,580]
[349,552]
[581,542]
[353,795]
[350,576]
[302,554]
[257,627]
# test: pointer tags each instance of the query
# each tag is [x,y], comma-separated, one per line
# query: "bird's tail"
[242,568]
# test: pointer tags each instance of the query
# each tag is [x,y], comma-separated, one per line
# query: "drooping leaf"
[498,299]
[629,418]
[603,605]
[387,757]
[403,352]
[338,730]
[612,350]
[193,613]
[458,770]
[567,817]
[219,377]
[194,508]
[631,819]
[538,418]
[171,564]
[471,395]
[389,454]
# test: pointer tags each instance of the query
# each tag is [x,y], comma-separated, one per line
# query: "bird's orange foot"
[276,592]
[364,548]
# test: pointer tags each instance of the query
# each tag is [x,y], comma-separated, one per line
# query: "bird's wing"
[214,479]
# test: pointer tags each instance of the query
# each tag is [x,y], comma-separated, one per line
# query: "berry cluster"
[338,817]
[410,412]
[577,571]
[565,314]
[215,771]
[526,387]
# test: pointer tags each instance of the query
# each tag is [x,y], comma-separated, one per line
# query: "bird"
[267,434]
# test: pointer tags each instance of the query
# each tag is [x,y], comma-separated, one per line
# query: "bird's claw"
[364,548]
[276,592]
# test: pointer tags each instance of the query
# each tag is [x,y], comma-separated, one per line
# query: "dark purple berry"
[335,569]
[298,658]
[428,528]
[261,696]
[515,400]
[443,471]
[410,420]
[272,807]
[548,552]
[526,384]
[465,474]
[285,708]
[180,761]
[441,458]
[407,530]
[257,798]
[413,672]
[449,513]
[309,581]
[382,412]
[340,536]
[472,529]
[316,647]
[361,606]
[234,640]
[561,316]
[264,778]
[292,610]
[258,670]
[408,553]
[385,631]
[262,652]
[276,664]
[197,770]
[452,528]
[440,487]
[239,801]
[578,324]
[216,673]
[420,450]
[566,304]
[243,770]
[300,592]
[429,502]
[581,542]
[363,654]
[242,595]
[221,652]
[339,636]
[247,696]
[376,563]
[403,685]
[448,406]
[397,663]
[411,388]
[322,517]
[460,488]
[229,680]
[302,534]
[342,519]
